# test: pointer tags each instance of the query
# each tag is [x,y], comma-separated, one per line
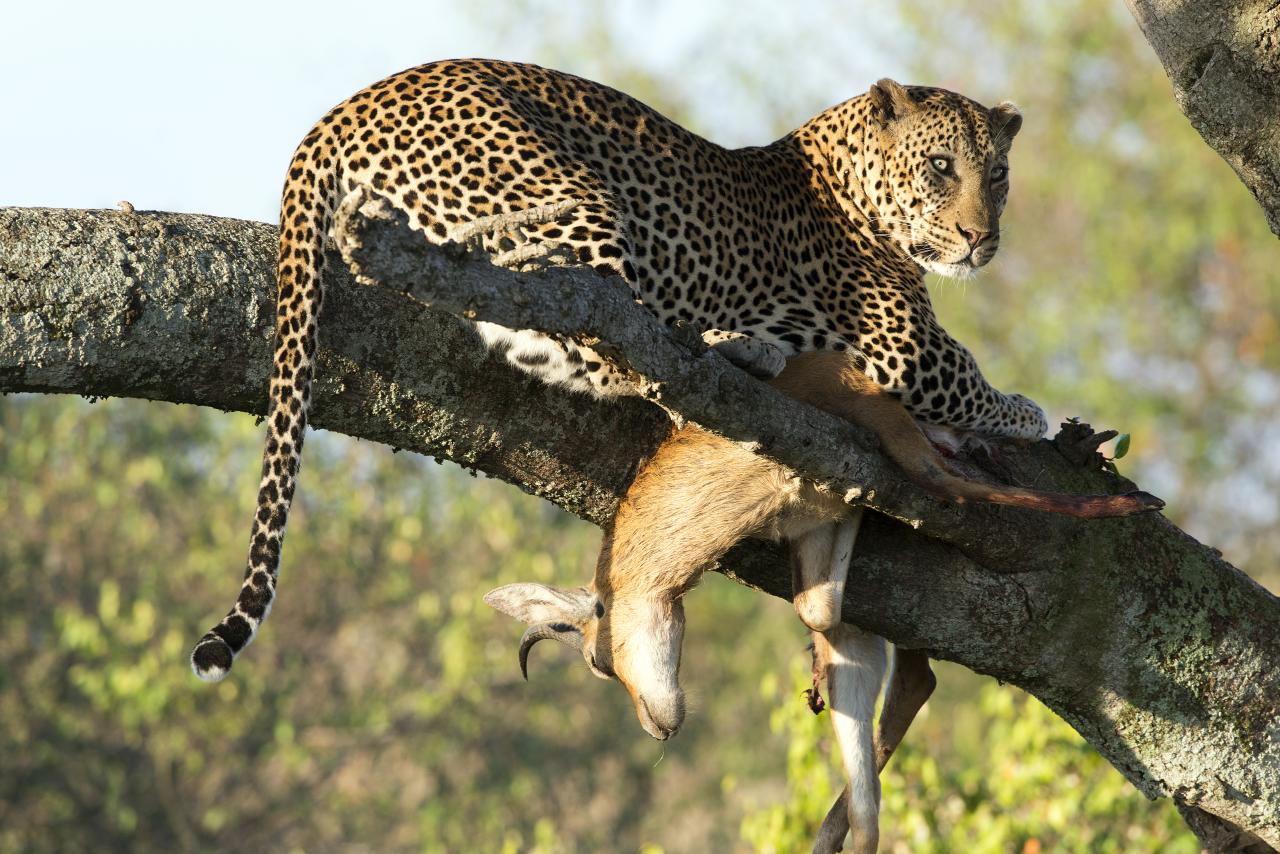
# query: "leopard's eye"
[999,174]
[941,164]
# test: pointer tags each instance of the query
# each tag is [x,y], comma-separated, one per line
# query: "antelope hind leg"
[910,687]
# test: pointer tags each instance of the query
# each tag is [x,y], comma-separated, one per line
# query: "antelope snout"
[661,717]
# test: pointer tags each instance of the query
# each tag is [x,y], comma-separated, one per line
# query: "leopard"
[820,240]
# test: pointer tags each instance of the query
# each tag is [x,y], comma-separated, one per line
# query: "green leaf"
[1122,446]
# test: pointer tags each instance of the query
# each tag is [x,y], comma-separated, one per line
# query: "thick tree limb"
[378,245]
[1162,655]
[1224,62]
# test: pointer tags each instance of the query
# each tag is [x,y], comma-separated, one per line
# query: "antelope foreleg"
[855,664]
[910,687]
[820,566]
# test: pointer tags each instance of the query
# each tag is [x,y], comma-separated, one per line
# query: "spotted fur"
[817,241]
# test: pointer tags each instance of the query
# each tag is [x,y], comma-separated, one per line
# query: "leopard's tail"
[305,211]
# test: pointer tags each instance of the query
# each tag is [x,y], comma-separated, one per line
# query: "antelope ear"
[1006,120]
[539,603]
[892,100]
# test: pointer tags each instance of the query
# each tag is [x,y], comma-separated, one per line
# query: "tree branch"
[1224,62]
[1162,655]
[376,242]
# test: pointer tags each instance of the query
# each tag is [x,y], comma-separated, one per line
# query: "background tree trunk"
[1224,62]
[1163,656]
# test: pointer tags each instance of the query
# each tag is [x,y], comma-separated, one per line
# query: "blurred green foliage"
[382,707]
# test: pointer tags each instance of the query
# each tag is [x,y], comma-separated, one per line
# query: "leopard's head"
[943,173]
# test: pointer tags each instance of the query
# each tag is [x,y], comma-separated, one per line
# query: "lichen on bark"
[1223,60]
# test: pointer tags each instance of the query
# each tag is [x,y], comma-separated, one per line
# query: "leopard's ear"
[1006,121]
[891,100]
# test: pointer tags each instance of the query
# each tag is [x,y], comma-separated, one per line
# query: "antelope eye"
[999,173]
[941,164]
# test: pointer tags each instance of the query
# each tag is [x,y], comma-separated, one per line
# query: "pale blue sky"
[197,108]
[184,107]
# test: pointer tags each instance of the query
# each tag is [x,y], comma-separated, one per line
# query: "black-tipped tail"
[305,210]
[213,656]
[211,659]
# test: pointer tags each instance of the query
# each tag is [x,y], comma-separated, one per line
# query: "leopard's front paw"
[1030,420]
[758,358]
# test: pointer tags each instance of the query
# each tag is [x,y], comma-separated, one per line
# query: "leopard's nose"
[974,236]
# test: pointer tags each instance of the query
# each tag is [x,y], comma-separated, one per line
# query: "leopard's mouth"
[932,261]
[924,253]
[937,260]
[972,258]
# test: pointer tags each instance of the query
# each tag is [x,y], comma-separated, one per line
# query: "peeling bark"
[1163,656]
[1224,62]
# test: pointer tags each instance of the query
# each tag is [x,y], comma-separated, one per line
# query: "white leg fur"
[841,555]
[855,670]
[822,565]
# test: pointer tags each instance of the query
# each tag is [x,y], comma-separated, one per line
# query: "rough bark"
[1162,655]
[1224,62]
